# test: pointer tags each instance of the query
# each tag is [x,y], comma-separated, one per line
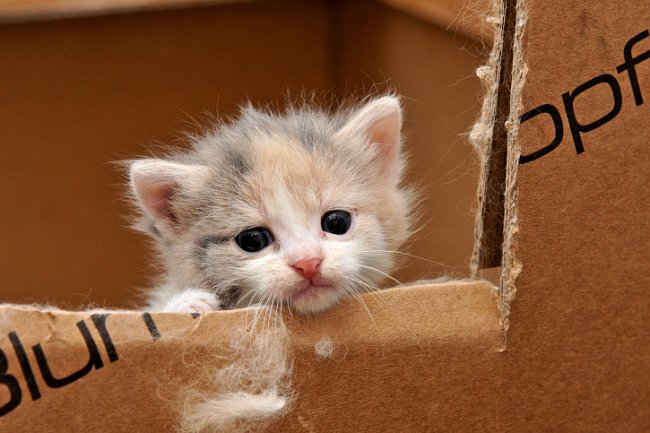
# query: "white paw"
[192,300]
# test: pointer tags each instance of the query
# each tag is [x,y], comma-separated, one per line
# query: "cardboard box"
[133,372]
[560,345]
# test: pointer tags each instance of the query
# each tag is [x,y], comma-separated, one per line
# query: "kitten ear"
[156,183]
[380,122]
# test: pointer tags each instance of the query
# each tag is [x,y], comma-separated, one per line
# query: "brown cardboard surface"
[78,94]
[578,339]
[459,16]
[405,363]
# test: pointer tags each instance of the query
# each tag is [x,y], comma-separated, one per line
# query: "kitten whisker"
[382,273]
[290,307]
[374,288]
[277,311]
[407,255]
[263,308]
[250,294]
[280,316]
[371,287]
[349,289]
[273,311]
[270,306]
[256,317]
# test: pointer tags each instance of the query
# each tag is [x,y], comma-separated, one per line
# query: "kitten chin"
[300,208]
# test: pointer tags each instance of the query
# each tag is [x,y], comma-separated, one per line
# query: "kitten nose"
[308,268]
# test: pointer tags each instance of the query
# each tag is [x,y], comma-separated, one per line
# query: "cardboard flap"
[574,219]
[81,371]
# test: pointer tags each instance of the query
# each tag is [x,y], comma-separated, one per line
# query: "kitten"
[301,208]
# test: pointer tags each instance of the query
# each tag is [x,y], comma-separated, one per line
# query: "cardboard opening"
[93,109]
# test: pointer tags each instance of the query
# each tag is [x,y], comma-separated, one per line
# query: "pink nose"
[308,268]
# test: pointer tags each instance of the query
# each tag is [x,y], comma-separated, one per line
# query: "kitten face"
[299,209]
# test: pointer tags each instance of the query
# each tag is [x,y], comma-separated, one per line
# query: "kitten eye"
[336,222]
[253,240]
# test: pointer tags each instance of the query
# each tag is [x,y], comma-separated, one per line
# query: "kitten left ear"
[380,122]
[160,186]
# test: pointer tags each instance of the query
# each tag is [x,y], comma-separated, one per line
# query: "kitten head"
[301,208]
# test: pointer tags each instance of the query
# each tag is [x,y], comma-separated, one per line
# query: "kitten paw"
[193,300]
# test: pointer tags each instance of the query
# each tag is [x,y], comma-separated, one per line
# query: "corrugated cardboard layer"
[399,370]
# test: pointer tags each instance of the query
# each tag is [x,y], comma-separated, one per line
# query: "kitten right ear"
[380,122]
[156,183]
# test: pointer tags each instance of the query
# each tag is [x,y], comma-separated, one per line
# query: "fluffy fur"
[282,172]
[251,391]
[224,411]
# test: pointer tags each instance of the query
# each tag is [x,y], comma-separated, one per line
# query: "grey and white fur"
[281,175]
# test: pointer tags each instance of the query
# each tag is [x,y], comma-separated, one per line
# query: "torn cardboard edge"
[511,264]
[231,369]
[494,136]
[489,137]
